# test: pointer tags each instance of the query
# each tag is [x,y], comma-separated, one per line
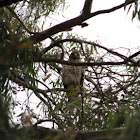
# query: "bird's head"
[75,55]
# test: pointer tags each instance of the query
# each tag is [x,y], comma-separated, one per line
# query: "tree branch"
[126,60]
[20,81]
[111,9]
[8,2]
[60,61]
[28,42]
[86,42]
[30,32]
[49,120]
[132,56]
[53,45]
[36,38]
[87,7]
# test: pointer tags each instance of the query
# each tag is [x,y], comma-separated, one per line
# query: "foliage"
[111,87]
[132,122]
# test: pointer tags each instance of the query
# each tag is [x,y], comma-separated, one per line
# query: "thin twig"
[20,21]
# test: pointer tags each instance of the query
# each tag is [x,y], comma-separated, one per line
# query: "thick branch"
[8,2]
[36,38]
[87,7]
[60,61]
[132,56]
[28,42]
[42,132]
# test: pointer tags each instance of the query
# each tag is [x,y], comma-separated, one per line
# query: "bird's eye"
[77,54]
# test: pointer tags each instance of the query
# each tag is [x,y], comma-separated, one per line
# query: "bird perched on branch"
[73,76]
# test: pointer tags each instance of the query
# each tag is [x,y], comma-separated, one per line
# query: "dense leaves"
[111,91]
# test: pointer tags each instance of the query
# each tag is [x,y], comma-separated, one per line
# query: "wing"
[65,71]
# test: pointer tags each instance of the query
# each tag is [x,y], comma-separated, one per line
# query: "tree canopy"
[31,60]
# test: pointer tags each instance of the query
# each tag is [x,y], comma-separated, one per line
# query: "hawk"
[73,76]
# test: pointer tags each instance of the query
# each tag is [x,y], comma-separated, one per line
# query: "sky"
[115,29]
